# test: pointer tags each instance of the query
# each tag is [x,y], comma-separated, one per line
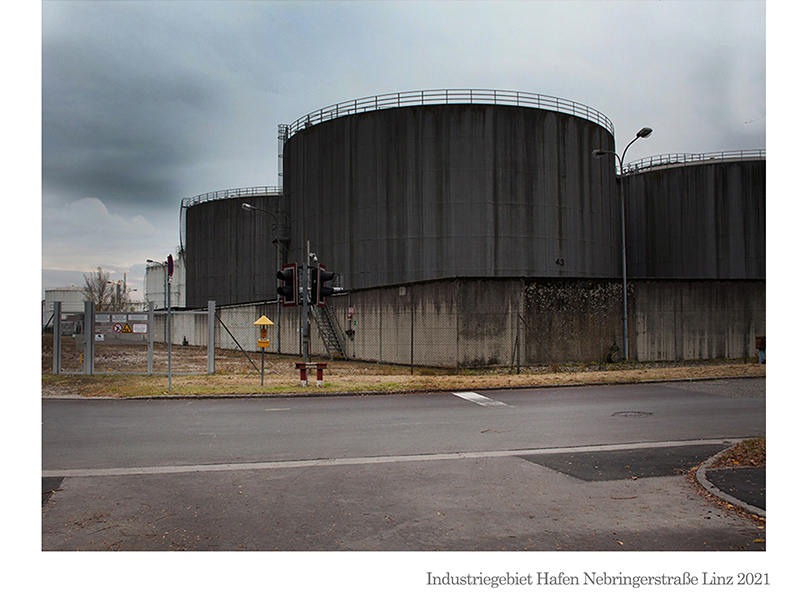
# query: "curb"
[700,475]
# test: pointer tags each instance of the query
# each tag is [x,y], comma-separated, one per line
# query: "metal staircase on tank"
[329,331]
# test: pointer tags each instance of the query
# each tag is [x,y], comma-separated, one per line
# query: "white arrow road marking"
[481,400]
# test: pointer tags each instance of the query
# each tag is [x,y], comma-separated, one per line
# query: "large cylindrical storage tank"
[443,189]
[231,252]
[698,216]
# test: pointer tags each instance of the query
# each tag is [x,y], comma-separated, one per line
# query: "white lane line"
[386,459]
[481,400]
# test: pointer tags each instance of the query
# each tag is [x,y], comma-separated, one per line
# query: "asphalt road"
[594,468]
[82,434]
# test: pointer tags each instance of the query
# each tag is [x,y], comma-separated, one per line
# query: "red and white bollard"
[319,373]
[302,366]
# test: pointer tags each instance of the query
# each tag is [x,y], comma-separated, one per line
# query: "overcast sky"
[144,103]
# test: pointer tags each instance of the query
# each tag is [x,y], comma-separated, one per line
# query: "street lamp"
[251,208]
[642,133]
[281,231]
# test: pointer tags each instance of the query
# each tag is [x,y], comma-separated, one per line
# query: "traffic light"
[289,289]
[320,289]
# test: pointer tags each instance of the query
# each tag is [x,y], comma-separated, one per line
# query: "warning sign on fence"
[121,326]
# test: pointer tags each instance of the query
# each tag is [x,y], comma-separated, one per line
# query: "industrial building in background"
[482,227]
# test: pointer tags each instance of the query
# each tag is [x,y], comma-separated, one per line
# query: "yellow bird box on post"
[263,323]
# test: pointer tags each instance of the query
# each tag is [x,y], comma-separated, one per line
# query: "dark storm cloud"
[119,117]
[139,97]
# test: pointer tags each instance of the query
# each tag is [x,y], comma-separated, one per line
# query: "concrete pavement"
[492,501]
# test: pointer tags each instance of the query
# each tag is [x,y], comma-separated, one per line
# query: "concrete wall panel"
[473,323]
[470,323]
[698,320]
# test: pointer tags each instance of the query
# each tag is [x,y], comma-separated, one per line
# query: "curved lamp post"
[278,241]
[642,133]
[248,206]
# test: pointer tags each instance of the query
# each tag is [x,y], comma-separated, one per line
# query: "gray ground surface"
[502,503]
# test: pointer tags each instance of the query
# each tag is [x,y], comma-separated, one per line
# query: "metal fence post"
[56,337]
[210,337]
[89,337]
[518,343]
[411,331]
[151,319]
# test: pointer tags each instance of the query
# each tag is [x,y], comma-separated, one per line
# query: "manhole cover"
[632,414]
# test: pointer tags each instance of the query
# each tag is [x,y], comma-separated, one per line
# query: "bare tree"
[106,295]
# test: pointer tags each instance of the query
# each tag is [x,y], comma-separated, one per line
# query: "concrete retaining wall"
[697,320]
[475,322]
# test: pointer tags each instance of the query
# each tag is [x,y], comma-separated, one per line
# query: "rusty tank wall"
[463,190]
[702,220]
[230,255]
